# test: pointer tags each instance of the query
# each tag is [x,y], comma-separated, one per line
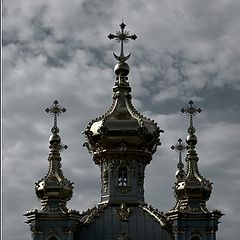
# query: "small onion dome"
[53,188]
[54,185]
[198,191]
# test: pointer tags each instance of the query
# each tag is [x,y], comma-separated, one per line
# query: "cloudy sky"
[58,49]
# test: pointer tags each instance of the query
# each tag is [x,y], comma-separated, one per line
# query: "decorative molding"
[105,176]
[140,180]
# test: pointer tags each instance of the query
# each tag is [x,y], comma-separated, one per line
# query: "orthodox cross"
[56,110]
[192,111]
[179,147]
[122,37]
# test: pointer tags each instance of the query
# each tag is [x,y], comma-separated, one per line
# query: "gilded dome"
[122,125]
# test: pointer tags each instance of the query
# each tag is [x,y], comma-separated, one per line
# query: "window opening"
[122,177]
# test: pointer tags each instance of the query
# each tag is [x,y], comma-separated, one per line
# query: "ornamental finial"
[180,147]
[191,111]
[56,110]
[122,37]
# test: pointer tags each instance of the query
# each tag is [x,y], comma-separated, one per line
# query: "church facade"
[122,142]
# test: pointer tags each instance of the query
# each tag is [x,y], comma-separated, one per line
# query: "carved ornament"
[123,212]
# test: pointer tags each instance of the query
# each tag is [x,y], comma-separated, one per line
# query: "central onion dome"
[122,126]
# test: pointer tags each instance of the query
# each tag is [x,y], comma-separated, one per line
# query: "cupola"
[122,126]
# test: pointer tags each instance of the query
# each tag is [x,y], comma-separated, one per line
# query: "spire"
[180,147]
[192,190]
[191,139]
[54,190]
[190,217]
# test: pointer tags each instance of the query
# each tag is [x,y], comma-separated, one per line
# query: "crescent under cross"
[122,37]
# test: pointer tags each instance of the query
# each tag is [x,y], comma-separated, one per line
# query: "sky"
[59,49]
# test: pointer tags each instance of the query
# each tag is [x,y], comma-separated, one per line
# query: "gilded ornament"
[123,212]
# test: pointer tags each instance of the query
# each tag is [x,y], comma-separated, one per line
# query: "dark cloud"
[59,50]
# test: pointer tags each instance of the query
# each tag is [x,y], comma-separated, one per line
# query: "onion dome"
[122,127]
[192,190]
[54,190]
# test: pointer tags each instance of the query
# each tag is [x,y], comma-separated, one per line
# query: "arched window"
[122,177]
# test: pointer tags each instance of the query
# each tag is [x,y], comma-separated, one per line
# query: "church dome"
[122,126]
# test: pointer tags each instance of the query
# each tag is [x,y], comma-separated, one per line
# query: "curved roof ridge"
[89,215]
[159,216]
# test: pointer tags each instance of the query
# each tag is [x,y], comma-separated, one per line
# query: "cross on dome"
[56,110]
[179,147]
[191,110]
[122,37]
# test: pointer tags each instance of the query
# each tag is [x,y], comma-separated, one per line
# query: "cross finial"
[191,110]
[122,37]
[179,147]
[56,110]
